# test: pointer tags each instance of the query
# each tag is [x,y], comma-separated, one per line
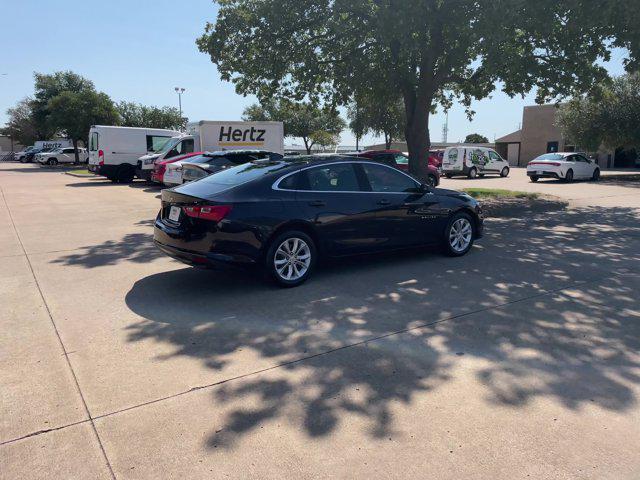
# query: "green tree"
[21,125]
[48,86]
[73,113]
[302,120]
[137,115]
[476,138]
[357,121]
[429,51]
[609,116]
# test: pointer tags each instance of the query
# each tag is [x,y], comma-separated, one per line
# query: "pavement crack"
[62,346]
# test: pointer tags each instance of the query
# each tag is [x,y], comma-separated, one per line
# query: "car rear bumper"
[166,238]
[544,174]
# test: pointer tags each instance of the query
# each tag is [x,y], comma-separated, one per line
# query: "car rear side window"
[337,177]
[388,180]
[296,181]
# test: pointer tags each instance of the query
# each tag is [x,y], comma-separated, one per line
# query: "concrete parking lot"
[520,360]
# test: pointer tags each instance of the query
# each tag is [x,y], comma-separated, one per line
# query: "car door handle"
[317,203]
[384,202]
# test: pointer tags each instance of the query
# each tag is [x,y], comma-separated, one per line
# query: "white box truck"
[114,151]
[212,136]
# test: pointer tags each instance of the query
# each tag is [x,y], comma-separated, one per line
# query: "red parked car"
[435,158]
[397,159]
[157,175]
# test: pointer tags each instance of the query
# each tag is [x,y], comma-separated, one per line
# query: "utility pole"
[180,91]
[445,129]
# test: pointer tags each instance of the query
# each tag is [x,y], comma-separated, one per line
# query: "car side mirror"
[424,188]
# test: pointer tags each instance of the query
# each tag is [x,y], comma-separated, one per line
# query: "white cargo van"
[473,161]
[213,136]
[114,151]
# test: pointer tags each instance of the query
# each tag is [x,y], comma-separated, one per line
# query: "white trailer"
[213,136]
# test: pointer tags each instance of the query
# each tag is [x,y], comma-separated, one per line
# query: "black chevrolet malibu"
[283,215]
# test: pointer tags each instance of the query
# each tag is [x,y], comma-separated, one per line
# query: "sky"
[139,50]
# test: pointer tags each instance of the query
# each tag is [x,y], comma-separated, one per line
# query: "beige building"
[540,134]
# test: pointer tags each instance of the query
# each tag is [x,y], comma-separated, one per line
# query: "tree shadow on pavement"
[546,304]
[133,247]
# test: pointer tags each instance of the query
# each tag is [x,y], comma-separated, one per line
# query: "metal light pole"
[180,91]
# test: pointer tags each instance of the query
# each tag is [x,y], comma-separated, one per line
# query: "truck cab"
[176,147]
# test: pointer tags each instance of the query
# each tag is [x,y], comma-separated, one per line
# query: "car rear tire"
[291,258]
[534,179]
[432,181]
[458,236]
[473,173]
[505,172]
[569,176]
[52,161]
[126,173]
[448,175]
[596,175]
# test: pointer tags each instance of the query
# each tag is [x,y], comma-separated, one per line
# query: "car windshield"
[162,147]
[198,159]
[168,145]
[551,156]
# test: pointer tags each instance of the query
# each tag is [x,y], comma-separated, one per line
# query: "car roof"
[221,153]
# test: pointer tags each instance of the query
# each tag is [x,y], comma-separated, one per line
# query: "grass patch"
[80,171]
[490,193]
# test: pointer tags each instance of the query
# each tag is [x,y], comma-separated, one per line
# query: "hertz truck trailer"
[213,136]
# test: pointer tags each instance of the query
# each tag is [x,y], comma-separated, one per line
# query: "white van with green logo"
[471,161]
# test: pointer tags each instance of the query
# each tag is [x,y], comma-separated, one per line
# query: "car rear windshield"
[232,177]
[550,156]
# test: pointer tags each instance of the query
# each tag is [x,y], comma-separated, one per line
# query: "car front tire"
[432,181]
[291,258]
[505,172]
[458,236]
[534,179]
[596,175]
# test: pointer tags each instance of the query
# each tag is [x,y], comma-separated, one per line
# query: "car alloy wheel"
[460,235]
[432,181]
[292,259]
[504,172]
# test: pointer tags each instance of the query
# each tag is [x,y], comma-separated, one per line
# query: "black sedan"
[284,214]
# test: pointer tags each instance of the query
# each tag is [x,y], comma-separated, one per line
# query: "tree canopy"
[21,125]
[609,116]
[428,51]
[137,115]
[75,112]
[314,125]
[476,138]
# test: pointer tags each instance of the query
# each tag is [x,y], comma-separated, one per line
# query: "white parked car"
[61,155]
[173,173]
[567,166]
[473,161]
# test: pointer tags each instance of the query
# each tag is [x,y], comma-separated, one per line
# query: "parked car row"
[61,155]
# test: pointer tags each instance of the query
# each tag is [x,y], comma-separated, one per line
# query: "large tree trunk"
[357,143]
[75,150]
[418,143]
[307,145]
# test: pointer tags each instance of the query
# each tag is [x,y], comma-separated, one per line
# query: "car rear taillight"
[213,213]
[550,164]
[100,157]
